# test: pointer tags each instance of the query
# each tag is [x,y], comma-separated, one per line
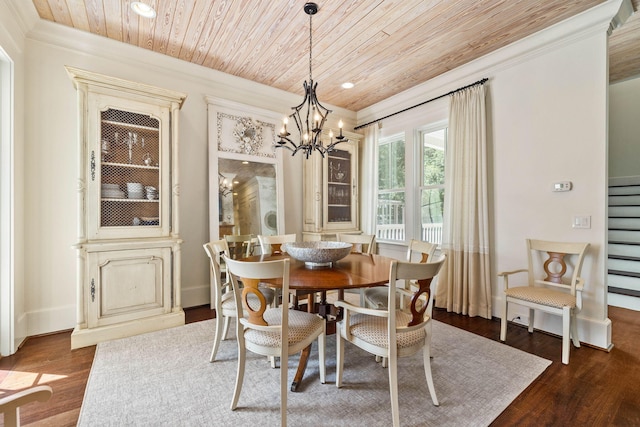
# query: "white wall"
[547,113]
[624,130]
[51,153]
[13,326]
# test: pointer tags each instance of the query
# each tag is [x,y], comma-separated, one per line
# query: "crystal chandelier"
[310,115]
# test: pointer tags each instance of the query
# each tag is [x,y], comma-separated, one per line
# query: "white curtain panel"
[369,179]
[464,285]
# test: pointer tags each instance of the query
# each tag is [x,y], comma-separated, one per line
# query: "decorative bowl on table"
[317,254]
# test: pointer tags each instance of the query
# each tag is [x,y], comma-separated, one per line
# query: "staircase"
[623,264]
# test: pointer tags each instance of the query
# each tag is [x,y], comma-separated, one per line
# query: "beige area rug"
[165,379]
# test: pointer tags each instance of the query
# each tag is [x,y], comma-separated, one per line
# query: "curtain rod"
[479,82]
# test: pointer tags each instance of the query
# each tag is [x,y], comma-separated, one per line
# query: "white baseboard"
[51,320]
[196,296]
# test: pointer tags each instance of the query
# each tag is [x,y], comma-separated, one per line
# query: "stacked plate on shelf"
[135,190]
[152,192]
[111,191]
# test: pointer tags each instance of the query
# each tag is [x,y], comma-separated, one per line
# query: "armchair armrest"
[9,406]
[508,273]
[357,309]
[505,275]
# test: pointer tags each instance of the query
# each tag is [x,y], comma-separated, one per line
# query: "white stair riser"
[625,223]
[624,265]
[624,236]
[624,282]
[624,200]
[617,191]
[624,250]
[624,211]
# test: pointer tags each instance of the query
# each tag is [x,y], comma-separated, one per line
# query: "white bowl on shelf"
[135,186]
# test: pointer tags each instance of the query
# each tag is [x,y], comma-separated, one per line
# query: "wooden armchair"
[10,406]
[222,295]
[393,333]
[273,332]
[552,285]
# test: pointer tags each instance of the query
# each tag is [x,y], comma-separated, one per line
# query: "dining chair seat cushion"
[544,296]
[301,326]
[229,304]
[373,329]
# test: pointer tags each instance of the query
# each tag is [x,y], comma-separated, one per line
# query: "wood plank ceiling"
[382,46]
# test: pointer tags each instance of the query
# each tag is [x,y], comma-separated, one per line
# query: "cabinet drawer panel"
[129,285]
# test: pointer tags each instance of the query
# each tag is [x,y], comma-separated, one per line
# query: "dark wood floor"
[596,389]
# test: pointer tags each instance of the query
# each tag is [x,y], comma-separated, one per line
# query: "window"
[411,206]
[391,189]
[432,185]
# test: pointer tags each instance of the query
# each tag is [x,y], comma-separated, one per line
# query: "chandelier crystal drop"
[310,116]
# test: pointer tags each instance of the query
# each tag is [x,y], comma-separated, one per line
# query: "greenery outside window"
[390,216]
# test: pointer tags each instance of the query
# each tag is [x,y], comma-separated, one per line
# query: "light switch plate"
[562,186]
[581,221]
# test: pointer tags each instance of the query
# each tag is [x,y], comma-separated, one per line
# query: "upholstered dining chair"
[393,333]
[417,251]
[240,245]
[10,406]
[553,285]
[362,244]
[222,295]
[274,332]
[272,244]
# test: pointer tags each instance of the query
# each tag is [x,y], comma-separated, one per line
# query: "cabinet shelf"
[130,126]
[130,200]
[130,165]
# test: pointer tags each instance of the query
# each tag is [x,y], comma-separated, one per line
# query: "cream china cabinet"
[128,241]
[331,192]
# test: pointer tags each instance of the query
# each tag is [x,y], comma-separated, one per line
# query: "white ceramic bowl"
[317,254]
[134,186]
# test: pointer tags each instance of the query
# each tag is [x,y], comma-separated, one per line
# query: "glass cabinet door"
[130,172]
[339,200]
[128,185]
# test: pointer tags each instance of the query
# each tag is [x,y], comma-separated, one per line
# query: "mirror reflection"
[247,197]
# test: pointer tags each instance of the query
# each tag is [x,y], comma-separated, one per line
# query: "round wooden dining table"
[355,271]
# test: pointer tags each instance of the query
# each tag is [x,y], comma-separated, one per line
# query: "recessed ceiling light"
[143,9]
[347,85]
[245,162]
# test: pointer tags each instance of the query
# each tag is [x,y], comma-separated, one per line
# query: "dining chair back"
[362,243]
[272,244]
[553,285]
[274,332]
[417,251]
[393,333]
[10,405]
[221,293]
[240,245]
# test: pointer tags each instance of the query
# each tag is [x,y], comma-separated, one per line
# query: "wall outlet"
[521,320]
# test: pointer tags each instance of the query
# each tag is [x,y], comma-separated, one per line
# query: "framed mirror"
[245,172]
